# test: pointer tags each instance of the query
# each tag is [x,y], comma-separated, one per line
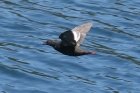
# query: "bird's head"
[50,42]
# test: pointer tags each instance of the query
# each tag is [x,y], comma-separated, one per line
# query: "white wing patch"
[76,35]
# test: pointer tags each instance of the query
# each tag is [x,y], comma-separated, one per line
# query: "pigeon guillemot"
[71,41]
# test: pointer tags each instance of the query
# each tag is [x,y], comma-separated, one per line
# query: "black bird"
[71,41]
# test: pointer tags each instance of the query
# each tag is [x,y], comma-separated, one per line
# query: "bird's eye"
[48,42]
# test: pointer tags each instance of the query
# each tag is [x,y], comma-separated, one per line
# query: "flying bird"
[71,40]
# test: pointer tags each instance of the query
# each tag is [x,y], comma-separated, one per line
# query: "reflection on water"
[28,66]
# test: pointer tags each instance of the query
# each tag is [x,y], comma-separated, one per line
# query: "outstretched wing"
[79,32]
[76,35]
[67,39]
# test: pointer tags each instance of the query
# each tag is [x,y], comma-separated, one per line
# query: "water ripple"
[28,66]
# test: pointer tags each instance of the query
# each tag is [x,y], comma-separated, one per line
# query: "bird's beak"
[44,43]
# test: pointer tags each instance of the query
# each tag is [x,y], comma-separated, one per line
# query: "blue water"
[27,66]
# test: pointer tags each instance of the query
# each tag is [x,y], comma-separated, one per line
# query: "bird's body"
[68,50]
[71,41]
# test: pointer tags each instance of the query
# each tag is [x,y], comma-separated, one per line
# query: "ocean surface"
[27,66]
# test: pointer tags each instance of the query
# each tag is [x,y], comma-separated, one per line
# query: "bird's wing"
[79,32]
[76,35]
[67,39]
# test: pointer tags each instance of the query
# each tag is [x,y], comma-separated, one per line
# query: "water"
[27,66]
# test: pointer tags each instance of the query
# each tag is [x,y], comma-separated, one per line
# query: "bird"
[71,40]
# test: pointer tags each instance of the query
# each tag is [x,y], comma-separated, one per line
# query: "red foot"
[92,53]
